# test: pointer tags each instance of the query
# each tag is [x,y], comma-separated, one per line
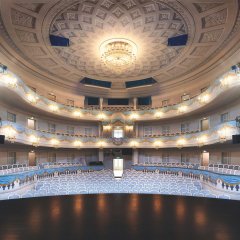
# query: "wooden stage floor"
[119,216]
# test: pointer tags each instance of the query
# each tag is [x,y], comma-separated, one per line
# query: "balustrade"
[222,84]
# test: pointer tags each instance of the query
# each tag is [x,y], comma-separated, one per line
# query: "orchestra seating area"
[132,182]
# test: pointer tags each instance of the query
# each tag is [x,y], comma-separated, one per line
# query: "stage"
[119,216]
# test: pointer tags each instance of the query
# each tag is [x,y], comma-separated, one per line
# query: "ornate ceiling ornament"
[118,54]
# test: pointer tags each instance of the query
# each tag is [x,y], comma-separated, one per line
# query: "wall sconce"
[77,113]
[134,116]
[134,144]
[182,109]
[158,114]
[202,140]
[204,98]
[34,140]
[10,133]
[129,128]
[54,142]
[181,142]
[10,80]
[228,79]
[223,134]
[53,107]
[31,98]
[77,144]
[107,128]
[101,144]
[101,116]
[157,144]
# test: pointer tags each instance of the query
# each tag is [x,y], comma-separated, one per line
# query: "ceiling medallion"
[118,54]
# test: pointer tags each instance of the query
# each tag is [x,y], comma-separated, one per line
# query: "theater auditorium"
[119,119]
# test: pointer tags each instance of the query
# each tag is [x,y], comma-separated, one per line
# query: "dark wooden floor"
[119,217]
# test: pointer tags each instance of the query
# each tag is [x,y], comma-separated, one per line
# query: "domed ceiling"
[146,23]
[26,24]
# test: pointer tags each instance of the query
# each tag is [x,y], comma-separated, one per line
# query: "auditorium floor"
[119,216]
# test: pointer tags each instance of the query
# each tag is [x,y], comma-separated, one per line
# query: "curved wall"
[223,86]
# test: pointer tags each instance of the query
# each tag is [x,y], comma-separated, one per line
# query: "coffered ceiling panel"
[26,25]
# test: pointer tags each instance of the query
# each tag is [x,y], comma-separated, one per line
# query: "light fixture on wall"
[182,109]
[134,144]
[157,144]
[129,128]
[118,54]
[77,144]
[181,143]
[158,114]
[31,98]
[10,80]
[223,133]
[10,133]
[77,113]
[229,79]
[53,107]
[34,140]
[202,140]
[54,142]
[134,116]
[101,116]
[107,128]
[101,144]
[204,98]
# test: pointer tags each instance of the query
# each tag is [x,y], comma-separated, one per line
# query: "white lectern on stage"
[118,167]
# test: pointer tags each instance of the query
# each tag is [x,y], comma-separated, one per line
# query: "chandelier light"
[118,54]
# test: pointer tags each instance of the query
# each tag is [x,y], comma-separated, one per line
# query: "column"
[101,103]
[100,155]
[136,129]
[100,129]
[135,103]
[135,157]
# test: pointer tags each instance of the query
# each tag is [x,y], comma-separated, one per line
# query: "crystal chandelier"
[118,54]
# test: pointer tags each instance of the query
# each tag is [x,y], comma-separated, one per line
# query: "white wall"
[82,155]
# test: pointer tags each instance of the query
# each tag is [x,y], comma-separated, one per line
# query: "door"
[205,158]
[32,123]
[32,158]
[204,124]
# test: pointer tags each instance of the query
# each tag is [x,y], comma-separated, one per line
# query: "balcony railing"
[15,132]
[227,81]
